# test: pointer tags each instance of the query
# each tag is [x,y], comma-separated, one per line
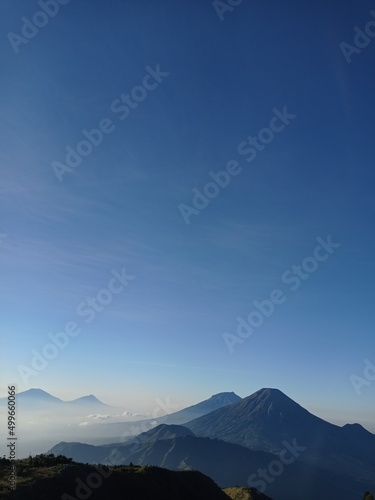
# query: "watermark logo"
[3,236]
[293,277]
[275,468]
[30,28]
[222,7]
[368,376]
[89,309]
[361,40]
[249,148]
[121,107]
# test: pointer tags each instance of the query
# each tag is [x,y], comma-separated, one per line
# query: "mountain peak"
[221,394]
[271,392]
[257,420]
[227,397]
[35,396]
[38,394]
[165,431]
[269,395]
[89,400]
[208,405]
[36,391]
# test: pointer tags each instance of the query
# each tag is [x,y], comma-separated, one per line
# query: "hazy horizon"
[160,407]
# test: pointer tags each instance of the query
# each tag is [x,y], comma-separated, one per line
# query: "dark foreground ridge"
[67,480]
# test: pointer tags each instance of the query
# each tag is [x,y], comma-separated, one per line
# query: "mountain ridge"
[226,463]
[216,401]
[35,395]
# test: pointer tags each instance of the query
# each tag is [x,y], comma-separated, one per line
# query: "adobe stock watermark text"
[89,308]
[361,39]
[121,107]
[31,27]
[293,277]
[249,148]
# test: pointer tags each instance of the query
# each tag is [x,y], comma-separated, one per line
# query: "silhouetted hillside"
[59,482]
[241,493]
[227,464]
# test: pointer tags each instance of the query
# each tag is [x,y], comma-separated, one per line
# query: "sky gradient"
[216,79]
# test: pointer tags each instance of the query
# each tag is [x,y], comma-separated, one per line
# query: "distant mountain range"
[265,440]
[37,398]
[112,431]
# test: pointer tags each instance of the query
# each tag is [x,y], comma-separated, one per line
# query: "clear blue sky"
[220,83]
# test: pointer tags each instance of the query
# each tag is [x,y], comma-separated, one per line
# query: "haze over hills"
[251,434]
[44,419]
[226,463]
[112,431]
[39,398]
